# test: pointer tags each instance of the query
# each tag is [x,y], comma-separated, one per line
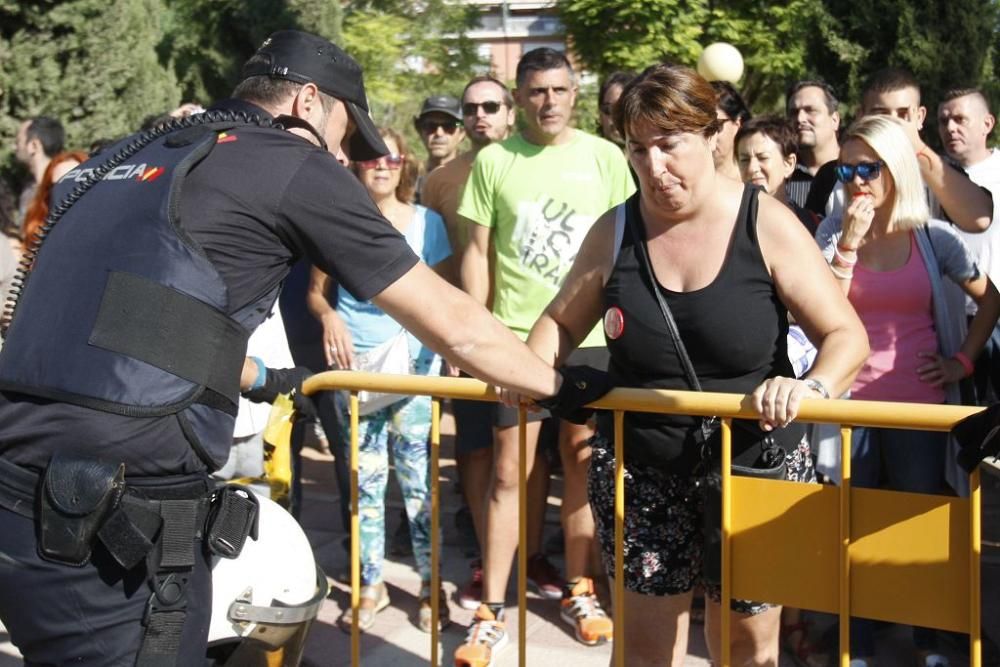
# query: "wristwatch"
[817,386]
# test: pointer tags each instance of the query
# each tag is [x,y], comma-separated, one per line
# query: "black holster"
[75,497]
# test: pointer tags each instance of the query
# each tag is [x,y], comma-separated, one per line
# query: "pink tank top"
[897,311]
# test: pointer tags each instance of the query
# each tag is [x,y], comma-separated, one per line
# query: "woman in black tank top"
[729,263]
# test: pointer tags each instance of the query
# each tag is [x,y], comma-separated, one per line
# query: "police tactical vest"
[122,311]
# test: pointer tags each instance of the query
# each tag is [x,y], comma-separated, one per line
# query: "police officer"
[122,366]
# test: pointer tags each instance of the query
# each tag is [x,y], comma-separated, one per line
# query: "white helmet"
[264,601]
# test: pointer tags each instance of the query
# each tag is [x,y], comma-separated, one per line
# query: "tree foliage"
[410,51]
[89,63]
[206,43]
[632,34]
[946,43]
[103,67]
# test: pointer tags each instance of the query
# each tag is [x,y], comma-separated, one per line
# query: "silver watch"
[817,386]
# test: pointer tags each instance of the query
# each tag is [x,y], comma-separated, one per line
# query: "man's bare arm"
[969,206]
[453,324]
[475,269]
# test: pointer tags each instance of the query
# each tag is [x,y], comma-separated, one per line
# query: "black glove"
[581,385]
[978,436]
[285,381]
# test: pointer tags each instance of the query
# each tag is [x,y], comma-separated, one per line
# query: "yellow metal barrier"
[902,557]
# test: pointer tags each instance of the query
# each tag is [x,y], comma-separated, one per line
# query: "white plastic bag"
[392,356]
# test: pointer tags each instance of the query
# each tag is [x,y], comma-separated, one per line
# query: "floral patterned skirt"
[663,523]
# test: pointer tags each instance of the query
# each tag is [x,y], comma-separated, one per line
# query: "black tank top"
[734,330]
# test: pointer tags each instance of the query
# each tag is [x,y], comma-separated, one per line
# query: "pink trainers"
[545,578]
[471,594]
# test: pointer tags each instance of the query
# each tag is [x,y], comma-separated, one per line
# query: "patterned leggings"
[404,428]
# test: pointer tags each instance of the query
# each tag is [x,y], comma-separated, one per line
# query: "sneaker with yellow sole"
[486,638]
[583,611]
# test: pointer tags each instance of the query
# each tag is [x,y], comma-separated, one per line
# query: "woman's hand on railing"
[778,400]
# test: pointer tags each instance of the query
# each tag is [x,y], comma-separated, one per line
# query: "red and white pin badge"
[614,323]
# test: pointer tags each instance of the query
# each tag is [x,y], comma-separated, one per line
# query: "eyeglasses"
[606,108]
[432,126]
[470,108]
[868,171]
[390,161]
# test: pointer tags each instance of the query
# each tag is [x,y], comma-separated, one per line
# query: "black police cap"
[306,58]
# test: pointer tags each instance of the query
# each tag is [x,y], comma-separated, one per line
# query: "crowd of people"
[860,262]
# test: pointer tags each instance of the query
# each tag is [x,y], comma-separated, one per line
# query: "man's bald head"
[965,124]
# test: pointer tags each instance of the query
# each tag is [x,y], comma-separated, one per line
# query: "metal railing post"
[522,537]
[975,574]
[435,526]
[844,657]
[355,537]
[618,644]
[727,545]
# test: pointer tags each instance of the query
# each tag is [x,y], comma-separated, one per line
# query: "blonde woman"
[890,259]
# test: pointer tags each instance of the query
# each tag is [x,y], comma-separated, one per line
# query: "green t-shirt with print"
[540,202]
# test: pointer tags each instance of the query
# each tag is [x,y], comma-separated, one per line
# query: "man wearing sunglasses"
[488,116]
[532,199]
[439,125]
[125,358]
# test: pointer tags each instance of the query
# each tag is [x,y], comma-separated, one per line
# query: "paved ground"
[396,640]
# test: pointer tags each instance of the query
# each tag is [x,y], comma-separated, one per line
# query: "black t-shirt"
[260,200]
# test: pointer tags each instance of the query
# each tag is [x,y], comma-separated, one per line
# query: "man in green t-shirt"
[535,197]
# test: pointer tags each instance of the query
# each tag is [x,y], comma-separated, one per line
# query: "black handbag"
[760,454]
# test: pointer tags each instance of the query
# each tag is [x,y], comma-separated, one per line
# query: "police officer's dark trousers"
[88,616]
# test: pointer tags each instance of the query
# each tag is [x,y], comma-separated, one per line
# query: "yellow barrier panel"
[903,557]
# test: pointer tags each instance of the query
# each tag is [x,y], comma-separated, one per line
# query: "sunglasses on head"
[470,108]
[390,161]
[432,126]
[868,171]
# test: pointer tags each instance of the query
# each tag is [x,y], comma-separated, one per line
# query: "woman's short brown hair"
[671,98]
[407,188]
[776,128]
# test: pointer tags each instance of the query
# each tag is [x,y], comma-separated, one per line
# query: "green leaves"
[631,34]
[410,51]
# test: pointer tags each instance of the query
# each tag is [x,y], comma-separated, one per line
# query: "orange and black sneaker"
[486,638]
[582,610]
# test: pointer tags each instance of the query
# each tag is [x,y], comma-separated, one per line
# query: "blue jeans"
[899,460]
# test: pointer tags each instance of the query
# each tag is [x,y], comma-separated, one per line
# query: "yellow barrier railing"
[939,536]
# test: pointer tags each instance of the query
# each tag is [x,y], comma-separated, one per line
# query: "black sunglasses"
[868,171]
[605,108]
[432,126]
[470,108]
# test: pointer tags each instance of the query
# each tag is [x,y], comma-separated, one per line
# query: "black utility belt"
[78,502]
